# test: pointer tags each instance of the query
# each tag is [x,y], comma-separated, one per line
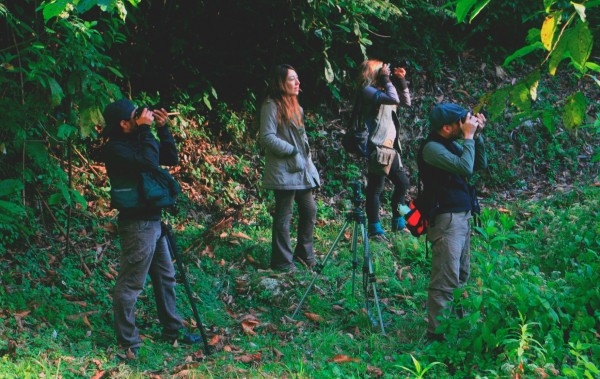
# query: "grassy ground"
[55,317]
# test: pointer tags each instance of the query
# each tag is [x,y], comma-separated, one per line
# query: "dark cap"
[445,114]
[115,112]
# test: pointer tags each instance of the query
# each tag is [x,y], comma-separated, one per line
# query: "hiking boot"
[379,238]
[285,269]
[398,224]
[309,263]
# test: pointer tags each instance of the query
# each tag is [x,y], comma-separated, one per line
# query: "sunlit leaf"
[548,30]
[478,9]
[574,110]
[580,9]
[329,75]
[548,4]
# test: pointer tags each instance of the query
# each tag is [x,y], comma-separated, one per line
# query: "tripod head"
[357,197]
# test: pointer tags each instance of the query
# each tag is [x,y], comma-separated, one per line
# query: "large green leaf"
[574,110]
[557,55]
[54,9]
[519,96]
[56,92]
[580,41]
[522,52]
[462,9]
[496,103]
[65,131]
[9,186]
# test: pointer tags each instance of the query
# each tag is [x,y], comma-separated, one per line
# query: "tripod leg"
[168,234]
[369,281]
[354,254]
[320,267]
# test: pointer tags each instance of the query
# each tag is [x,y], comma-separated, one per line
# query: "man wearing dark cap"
[131,149]
[445,168]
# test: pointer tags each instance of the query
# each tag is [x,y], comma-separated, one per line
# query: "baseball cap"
[446,113]
[115,112]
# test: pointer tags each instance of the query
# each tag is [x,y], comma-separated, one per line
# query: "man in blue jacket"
[131,149]
[445,168]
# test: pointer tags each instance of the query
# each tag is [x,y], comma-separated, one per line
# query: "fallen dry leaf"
[249,358]
[314,317]
[215,340]
[278,355]
[240,235]
[374,371]
[341,358]
[99,374]
[249,325]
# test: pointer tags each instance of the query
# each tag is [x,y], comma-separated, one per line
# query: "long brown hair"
[288,108]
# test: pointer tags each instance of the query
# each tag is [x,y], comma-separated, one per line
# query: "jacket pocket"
[296,163]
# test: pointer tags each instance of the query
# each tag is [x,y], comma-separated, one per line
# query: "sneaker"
[191,339]
[185,338]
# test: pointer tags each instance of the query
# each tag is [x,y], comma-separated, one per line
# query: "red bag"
[416,222]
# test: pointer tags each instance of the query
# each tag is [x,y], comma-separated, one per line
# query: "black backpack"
[356,138]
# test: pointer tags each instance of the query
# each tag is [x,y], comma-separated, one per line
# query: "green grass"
[534,265]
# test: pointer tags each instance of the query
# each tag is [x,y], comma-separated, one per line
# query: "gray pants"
[143,253]
[451,262]
[281,248]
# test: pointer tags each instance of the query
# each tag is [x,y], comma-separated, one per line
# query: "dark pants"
[143,253]
[375,186]
[281,248]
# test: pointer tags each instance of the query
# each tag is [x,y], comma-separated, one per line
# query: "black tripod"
[356,216]
[167,231]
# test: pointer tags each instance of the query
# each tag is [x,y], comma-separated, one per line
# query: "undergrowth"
[531,311]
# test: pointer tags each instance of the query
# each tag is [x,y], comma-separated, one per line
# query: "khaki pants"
[143,252]
[451,263]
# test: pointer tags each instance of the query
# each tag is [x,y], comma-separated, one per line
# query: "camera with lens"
[138,111]
[357,198]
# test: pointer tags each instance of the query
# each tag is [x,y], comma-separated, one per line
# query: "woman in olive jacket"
[289,170]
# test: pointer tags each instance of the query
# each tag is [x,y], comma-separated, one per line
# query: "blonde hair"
[369,70]
[288,108]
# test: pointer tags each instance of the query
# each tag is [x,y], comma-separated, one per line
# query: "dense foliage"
[533,65]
